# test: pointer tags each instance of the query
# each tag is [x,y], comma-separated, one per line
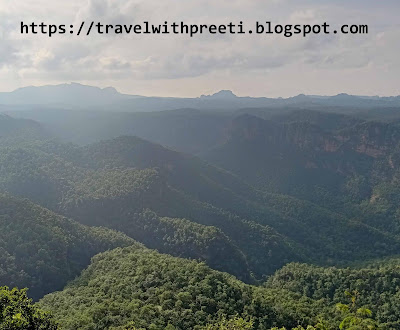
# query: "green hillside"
[377,284]
[154,291]
[268,227]
[113,183]
[17,130]
[42,250]
[17,312]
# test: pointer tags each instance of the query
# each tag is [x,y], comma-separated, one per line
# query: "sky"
[177,65]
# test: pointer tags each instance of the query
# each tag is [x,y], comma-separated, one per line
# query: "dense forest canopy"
[18,312]
[244,219]
[42,250]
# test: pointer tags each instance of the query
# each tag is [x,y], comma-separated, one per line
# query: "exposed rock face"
[371,139]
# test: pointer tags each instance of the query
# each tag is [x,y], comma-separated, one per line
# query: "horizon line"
[202,95]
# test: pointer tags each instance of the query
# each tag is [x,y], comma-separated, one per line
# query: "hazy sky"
[256,65]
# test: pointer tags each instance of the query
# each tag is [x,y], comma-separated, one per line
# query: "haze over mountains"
[86,97]
[263,212]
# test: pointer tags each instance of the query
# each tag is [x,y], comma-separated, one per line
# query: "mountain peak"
[223,94]
[68,94]
[343,96]
[73,86]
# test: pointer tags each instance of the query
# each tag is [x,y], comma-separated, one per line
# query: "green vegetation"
[302,207]
[350,316]
[113,183]
[43,251]
[154,290]
[235,323]
[377,285]
[20,130]
[18,312]
[143,288]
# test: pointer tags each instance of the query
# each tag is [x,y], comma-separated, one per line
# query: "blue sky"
[179,66]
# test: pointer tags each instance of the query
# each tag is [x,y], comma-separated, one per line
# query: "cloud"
[230,59]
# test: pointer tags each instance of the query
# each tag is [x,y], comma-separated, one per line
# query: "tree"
[235,323]
[355,318]
[18,312]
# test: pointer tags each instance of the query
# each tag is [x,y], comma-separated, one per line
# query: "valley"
[183,219]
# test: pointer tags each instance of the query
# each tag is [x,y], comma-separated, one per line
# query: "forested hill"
[42,250]
[12,129]
[136,288]
[179,204]
[331,165]
[377,285]
[285,212]
[150,290]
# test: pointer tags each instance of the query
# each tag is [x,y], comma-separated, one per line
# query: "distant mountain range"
[79,96]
